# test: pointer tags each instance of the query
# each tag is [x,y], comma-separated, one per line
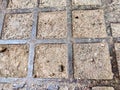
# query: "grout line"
[69,36]
[58,41]
[18,11]
[89,40]
[2,16]
[114,62]
[34,27]
[100,82]
[69,41]
[70,62]
[31,60]
[53,9]
[13,41]
[10,80]
[32,44]
[51,41]
[86,7]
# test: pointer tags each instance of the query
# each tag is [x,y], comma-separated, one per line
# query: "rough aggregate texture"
[48,61]
[13,60]
[89,23]
[115,29]
[6,87]
[17,26]
[52,3]
[86,2]
[52,25]
[15,4]
[92,61]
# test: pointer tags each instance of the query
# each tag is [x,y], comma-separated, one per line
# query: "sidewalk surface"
[59,45]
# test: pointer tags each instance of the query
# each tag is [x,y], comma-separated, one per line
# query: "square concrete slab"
[117,48]
[87,2]
[17,26]
[115,29]
[89,24]
[6,87]
[50,61]
[92,61]
[52,25]
[103,88]
[20,4]
[13,60]
[52,3]
[113,13]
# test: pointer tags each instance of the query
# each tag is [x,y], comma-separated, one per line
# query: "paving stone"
[52,3]
[13,60]
[113,13]
[52,25]
[17,26]
[103,88]
[50,61]
[92,61]
[6,87]
[117,48]
[86,2]
[18,4]
[115,29]
[88,23]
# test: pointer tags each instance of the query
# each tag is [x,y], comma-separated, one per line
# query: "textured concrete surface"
[17,26]
[51,61]
[115,29]
[86,2]
[102,88]
[52,25]
[14,4]
[89,24]
[6,87]
[92,61]
[13,60]
[59,44]
[52,3]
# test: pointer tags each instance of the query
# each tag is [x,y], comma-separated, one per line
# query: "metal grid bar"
[69,41]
